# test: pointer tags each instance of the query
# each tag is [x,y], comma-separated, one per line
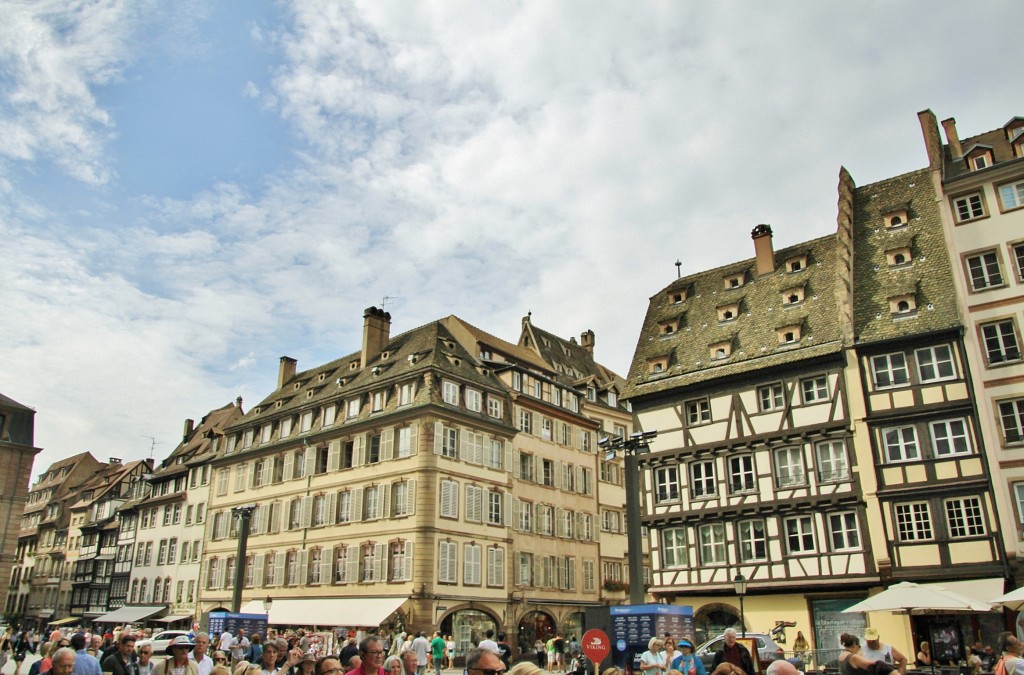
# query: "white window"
[524,569]
[613,399]
[401,561]
[913,521]
[525,516]
[666,484]
[352,409]
[449,442]
[741,474]
[949,437]
[770,396]
[702,479]
[405,441]
[319,510]
[495,454]
[1011,195]
[983,270]
[494,407]
[799,534]
[494,502]
[698,412]
[789,467]
[471,565]
[286,427]
[712,544]
[241,479]
[589,576]
[222,482]
[1011,416]
[900,444]
[306,420]
[526,421]
[968,207]
[341,565]
[406,393]
[449,499]
[753,541]
[450,392]
[247,438]
[330,414]
[673,547]
[843,531]
[495,566]
[1018,258]
[889,370]
[474,400]
[378,400]
[965,517]
[935,363]
[538,389]
[814,389]
[1000,342]
[265,433]
[401,498]
[1018,493]
[832,463]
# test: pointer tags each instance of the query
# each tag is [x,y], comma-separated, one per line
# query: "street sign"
[596,646]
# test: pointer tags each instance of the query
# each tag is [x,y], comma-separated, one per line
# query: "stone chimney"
[587,340]
[763,251]
[932,139]
[952,139]
[285,370]
[376,333]
[190,426]
[238,402]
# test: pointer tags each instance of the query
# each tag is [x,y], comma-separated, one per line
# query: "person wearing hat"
[177,662]
[876,650]
[686,663]
[306,664]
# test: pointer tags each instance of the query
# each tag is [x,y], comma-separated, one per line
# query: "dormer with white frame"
[979,156]
[897,215]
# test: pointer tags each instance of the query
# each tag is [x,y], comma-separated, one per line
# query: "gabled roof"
[197,447]
[105,481]
[1002,151]
[753,336]
[7,402]
[573,362]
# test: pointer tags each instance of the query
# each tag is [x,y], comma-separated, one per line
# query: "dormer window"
[613,399]
[898,256]
[1014,128]
[728,312]
[979,157]
[677,296]
[903,304]
[793,296]
[668,327]
[796,263]
[895,218]
[721,350]
[789,334]
[658,364]
[733,281]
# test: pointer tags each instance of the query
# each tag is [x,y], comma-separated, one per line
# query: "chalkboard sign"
[830,623]
[226,621]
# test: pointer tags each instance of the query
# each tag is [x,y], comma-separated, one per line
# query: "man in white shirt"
[199,654]
[226,638]
[421,648]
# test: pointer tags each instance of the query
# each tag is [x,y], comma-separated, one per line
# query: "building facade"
[17,452]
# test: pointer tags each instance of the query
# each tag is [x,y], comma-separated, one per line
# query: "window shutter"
[330,517]
[558,475]
[559,522]
[356,505]
[258,519]
[508,459]
[442,562]
[359,450]
[506,510]
[408,561]
[258,574]
[311,453]
[571,573]
[289,464]
[387,444]
[410,498]
[538,469]
[414,438]
[464,452]
[383,501]
[516,473]
[326,566]
[279,560]
[380,562]
[334,456]
[252,476]
[352,564]
[303,563]
[307,511]
[438,437]
[275,517]
[579,480]
[579,526]
[220,581]
[538,571]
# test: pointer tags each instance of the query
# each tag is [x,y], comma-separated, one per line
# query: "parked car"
[767,649]
[160,641]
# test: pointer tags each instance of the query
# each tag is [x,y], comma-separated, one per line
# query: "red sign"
[596,646]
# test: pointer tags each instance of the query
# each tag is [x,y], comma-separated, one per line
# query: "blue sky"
[190,190]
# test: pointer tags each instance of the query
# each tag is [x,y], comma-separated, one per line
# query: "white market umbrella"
[1014,600]
[912,598]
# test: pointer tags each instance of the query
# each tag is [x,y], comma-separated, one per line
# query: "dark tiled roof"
[7,402]
[197,447]
[753,333]
[929,275]
[996,139]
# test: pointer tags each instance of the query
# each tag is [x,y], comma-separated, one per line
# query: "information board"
[227,621]
[632,627]
[830,623]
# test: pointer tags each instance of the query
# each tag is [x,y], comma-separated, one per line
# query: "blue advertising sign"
[632,627]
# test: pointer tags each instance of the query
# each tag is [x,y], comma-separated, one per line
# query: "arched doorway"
[532,627]
[467,627]
[712,619]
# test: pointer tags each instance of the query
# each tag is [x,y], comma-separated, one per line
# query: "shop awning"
[63,622]
[357,612]
[130,614]
[982,590]
[172,618]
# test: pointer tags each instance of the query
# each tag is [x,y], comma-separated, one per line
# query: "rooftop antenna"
[152,444]
[679,268]
[388,300]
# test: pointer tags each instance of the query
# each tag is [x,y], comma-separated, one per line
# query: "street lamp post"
[244,513]
[634,543]
[740,584]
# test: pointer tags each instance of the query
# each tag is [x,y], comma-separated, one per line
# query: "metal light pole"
[740,584]
[634,542]
[245,514]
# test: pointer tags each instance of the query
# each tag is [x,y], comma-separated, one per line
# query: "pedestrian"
[199,655]
[652,661]
[504,648]
[484,661]
[145,664]
[177,662]
[255,653]
[488,642]
[84,664]
[541,651]
[524,668]
[63,661]
[669,651]
[393,665]
[450,647]
[687,662]
[735,653]
[421,648]
[852,660]
[23,644]
[800,646]
[371,655]
[122,661]
[409,666]
[306,664]
[875,650]
[437,647]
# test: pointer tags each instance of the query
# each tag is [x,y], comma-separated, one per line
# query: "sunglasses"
[488,671]
[220,658]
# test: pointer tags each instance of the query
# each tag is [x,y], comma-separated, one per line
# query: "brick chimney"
[932,139]
[587,340]
[763,251]
[376,333]
[190,426]
[952,139]
[285,370]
